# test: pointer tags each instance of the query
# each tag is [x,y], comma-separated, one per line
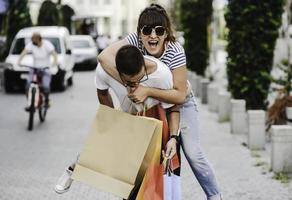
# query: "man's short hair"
[129,60]
[36,36]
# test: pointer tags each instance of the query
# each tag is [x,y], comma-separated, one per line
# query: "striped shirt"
[173,56]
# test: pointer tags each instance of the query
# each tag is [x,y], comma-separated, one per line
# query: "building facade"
[114,17]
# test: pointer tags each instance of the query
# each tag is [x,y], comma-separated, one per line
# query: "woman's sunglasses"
[147,30]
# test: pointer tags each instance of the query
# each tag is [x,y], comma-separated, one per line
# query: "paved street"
[31,162]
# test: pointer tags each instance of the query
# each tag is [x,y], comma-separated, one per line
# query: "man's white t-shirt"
[41,55]
[161,78]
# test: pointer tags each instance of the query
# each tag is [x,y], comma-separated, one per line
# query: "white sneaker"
[64,182]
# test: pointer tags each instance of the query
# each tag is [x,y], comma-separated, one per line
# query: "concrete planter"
[192,79]
[1,79]
[204,87]
[224,106]
[238,117]
[289,115]
[198,86]
[256,129]
[212,96]
[191,75]
[281,152]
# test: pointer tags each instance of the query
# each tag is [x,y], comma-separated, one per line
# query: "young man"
[133,71]
[41,51]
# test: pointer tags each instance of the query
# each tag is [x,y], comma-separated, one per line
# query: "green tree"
[195,18]
[67,13]
[253,30]
[48,14]
[18,17]
[52,14]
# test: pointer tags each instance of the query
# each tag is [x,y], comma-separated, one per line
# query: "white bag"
[171,184]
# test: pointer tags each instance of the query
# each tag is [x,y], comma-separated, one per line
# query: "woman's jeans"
[190,142]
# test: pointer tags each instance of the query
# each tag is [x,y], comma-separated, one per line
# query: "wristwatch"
[176,137]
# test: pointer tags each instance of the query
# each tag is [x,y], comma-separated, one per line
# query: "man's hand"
[138,95]
[170,148]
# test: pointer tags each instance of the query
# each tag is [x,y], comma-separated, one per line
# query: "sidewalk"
[32,162]
[235,165]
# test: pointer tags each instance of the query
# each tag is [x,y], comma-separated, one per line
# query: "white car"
[15,76]
[84,51]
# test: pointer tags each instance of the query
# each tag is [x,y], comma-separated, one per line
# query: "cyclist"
[41,51]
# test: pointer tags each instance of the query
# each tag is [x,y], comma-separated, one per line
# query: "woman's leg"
[191,147]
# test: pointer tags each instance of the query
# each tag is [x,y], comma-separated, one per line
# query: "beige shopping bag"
[114,150]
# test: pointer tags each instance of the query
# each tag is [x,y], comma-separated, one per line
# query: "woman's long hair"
[155,15]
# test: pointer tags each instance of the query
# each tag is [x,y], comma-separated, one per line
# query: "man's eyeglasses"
[132,84]
[147,30]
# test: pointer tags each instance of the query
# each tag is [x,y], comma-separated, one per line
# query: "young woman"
[154,37]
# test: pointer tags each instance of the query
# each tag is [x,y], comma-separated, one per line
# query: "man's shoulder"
[153,59]
[159,64]
[28,46]
[99,71]
[161,77]
[102,73]
[47,43]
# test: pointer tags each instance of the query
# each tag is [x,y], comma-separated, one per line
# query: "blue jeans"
[190,142]
[46,79]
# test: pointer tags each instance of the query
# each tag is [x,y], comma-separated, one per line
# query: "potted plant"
[281,110]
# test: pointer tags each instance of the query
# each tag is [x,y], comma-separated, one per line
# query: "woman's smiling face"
[154,30]
[153,39]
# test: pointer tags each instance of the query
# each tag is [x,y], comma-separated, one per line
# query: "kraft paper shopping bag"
[114,150]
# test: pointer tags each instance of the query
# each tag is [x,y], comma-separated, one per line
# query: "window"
[20,43]
[56,43]
[18,46]
[80,2]
[94,2]
[80,44]
[124,27]
[107,2]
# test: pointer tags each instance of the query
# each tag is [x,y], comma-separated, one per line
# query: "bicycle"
[36,98]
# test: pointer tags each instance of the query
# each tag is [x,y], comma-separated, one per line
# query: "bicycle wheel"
[42,109]
[31,110]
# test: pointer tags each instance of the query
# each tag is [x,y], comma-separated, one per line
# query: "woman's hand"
[139,94]
[170,148]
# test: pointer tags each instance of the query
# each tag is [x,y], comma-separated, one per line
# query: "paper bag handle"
[131,106]
[166,165]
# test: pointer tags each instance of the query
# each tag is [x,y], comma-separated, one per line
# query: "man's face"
[132,81]
[35,41]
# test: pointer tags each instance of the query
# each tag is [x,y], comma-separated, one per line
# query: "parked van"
[15,76]
[84,51]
